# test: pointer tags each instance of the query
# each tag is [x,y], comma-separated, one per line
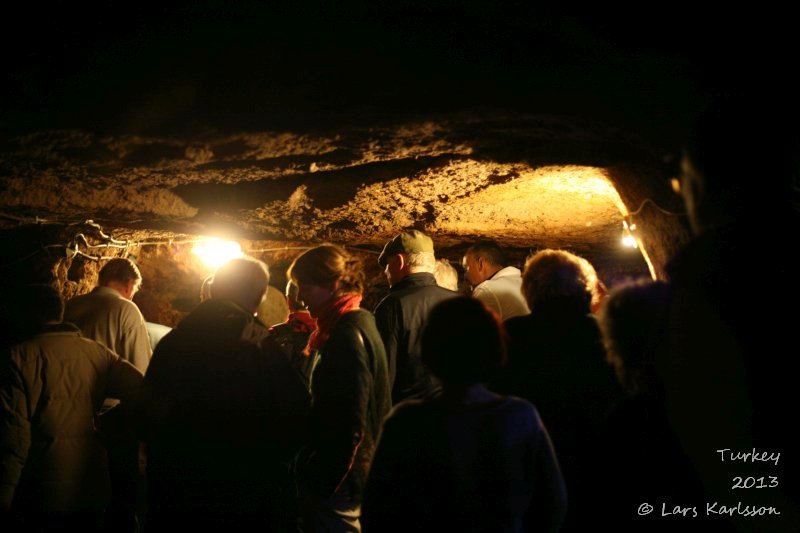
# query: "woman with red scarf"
[349,387]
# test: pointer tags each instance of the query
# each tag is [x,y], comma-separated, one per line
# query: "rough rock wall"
[529,182]
[457,177]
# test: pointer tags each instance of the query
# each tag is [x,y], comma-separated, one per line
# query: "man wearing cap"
[408,262]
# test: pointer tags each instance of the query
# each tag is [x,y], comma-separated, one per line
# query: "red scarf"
[302,322]
[328,316]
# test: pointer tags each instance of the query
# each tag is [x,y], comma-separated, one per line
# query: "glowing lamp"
[216,252]
[627,235]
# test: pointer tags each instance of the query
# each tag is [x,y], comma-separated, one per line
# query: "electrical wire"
[266,250]
[285,248]
[650,201]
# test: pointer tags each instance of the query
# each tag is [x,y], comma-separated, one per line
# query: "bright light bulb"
[629,241]
[627,236]
[216,252]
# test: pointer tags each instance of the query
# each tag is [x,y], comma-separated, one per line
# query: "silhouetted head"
[121,274]
[737,164]
[41,304]
[463,342]
[243,281]
[555,279]
[633,322]
[323,273]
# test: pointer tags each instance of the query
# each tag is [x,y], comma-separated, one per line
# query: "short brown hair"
[119,269]
[327,264]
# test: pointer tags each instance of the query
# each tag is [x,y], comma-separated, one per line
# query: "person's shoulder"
[68,338]
[275,347]
[482,290]
[78,298]
[81,302]
[389,303]
[252,330]
[98,294]
[357,317]
[516,323]
[522,410]
[585,326]
[441,293]
[96,347]
[280,330]
[411,298]
[122,305]
[409,411]
[520,404]
[353,324]
[511,272]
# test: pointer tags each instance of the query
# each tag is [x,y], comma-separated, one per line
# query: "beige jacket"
[51,387]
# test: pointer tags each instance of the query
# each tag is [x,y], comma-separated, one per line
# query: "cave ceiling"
[536,125]
[453,178]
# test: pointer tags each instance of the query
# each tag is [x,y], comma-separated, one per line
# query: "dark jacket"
[444,467]
[556,361]
[350,398]
[728,373]
[222,411]
[636,431]
[401,318]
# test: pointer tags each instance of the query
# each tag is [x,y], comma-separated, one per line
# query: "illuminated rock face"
[528,182]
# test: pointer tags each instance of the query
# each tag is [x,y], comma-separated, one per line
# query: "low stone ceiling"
[529,182]
[286,125]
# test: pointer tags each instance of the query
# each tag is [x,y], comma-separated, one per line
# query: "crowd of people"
[538,401]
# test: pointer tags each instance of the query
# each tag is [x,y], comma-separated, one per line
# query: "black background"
[177,66]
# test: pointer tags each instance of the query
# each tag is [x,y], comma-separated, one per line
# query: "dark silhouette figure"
[469,459]
[728,374]
[640,457]
[222,413]
[557,362]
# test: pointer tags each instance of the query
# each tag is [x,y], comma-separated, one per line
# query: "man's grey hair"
[446,275]
[420,262]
